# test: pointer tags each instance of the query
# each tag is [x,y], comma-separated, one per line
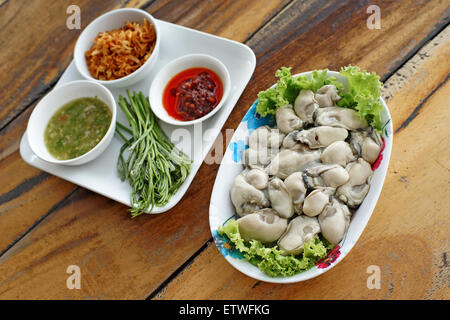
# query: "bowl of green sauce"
[73,124]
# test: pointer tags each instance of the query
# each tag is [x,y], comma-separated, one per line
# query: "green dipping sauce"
[77,127]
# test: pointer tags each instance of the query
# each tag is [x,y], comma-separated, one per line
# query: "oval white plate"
[221,208]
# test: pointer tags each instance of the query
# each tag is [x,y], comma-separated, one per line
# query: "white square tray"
[100,175]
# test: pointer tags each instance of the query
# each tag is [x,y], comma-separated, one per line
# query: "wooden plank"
[167,237]
[24,203]
[423,74]
[28,82]
[37,47]
[219,16]
[313,38]
[406,237]
[324,34]
[14,140]
[27,194]
[10,143]
[306,30]
[115,253]
[407,234]
[10,135]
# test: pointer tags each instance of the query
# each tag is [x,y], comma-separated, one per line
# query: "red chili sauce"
[192,93]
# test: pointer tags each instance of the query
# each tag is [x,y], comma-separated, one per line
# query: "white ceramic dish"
[221,208]
[176,66]
[113,20]
[100,175]
[55,99]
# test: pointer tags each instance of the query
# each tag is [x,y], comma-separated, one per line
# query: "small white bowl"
[113,20]
[54,100]
[176,66]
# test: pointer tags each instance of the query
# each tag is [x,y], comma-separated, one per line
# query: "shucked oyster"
[325,175]
[316,201]
[288,161]
[291,142]
[280,199]
[300,230]
[297,189]
[355,190]
[334,221]
[265,138]
[305,106]
[327,96]
[257,158]
[338,152]
[287,120]
[245,197]
[340,117]
[257,178]
[319,137]
[366,144]
[264,144]
[264,225]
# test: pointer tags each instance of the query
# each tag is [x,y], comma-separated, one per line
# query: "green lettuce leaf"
[288,88]
[270,259]
[362,95]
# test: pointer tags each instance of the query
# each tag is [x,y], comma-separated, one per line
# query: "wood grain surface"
[20,224]
[407,235]
[47,224]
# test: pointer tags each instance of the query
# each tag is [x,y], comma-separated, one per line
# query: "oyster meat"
[340,117]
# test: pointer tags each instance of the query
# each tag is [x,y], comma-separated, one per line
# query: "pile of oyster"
[315,165]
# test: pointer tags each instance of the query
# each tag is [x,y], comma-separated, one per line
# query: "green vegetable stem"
[153,166]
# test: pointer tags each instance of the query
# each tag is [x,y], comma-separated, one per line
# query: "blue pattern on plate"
[224,247]
[254,121]
[238,147]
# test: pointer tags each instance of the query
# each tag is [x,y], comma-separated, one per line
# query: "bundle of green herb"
[153,166]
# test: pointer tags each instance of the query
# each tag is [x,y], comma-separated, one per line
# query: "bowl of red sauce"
[189,89]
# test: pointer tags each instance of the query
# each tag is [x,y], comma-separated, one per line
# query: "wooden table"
[47,224]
